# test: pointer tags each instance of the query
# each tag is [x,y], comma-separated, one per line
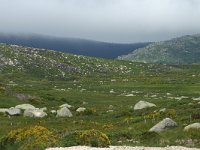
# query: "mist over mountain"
[72,45]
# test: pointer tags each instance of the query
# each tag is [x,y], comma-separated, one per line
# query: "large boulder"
[65,105]
[36,113]
[163,125]
[25,106]
[64,112]
[81,109]
[192,126]
[13,111]
[143,104]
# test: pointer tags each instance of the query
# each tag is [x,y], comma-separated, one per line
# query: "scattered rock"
[192,126]
[128,95]
[110,111]
[163,110]
[163,125]
[13,111]
[112,91]
[37,113]
[168,94]
[23,97]
[64,112]
[53,111]
[65,105]
[25,106]
[190,104]
[43,109]
[81,109]
[84,103]
[143,104]
[111,107]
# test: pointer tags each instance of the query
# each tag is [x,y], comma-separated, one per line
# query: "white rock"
[113,80]
[110,111]
[192,126]
[112,91]
[3,110]
[25,106]
[128,95]
[163,125]
[143,104]
[43,109]
[13,111]
[196,99]
[65,105]
[53,111]
[64,112]
[84,103]
[81,109]
[110,106]
[163,110]
[37,113]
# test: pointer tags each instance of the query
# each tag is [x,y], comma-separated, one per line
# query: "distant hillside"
[182,50]
[72,45]
[25,61]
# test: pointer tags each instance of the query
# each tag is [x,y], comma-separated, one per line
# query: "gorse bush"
[171,113]
[94,138]
[34,137]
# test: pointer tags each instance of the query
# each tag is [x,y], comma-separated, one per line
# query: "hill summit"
[182,50]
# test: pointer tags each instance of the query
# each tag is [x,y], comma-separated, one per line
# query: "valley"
[107,89]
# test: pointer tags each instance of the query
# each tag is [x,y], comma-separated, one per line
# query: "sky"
[123,21]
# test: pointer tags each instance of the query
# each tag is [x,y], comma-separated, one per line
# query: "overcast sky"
[105,20]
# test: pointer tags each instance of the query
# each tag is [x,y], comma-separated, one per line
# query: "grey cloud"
[106,20]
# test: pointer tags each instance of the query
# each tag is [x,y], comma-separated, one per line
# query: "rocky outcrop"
[25,106]
[143,104]
[36,113]
[163,125]
[64,112]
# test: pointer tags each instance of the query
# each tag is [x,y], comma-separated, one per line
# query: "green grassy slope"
[36,73]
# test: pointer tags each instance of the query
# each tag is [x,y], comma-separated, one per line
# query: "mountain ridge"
[181,50]
[72,45]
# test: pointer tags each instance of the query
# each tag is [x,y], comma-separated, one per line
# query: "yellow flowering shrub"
[34,137]
[94,138]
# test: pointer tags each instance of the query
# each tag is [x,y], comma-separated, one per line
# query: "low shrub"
[34,137]
[94,138]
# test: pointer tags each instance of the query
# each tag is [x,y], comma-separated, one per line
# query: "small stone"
[81,109]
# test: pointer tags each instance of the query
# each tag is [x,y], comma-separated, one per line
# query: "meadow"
[109,99]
